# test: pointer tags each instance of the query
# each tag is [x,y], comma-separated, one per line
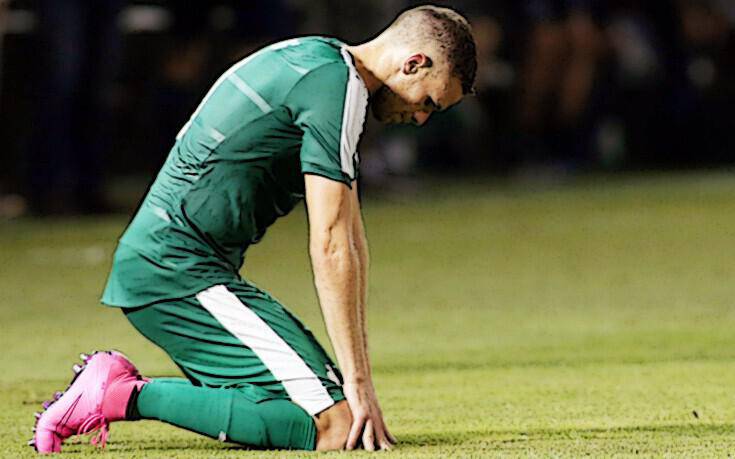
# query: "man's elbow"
[331,250]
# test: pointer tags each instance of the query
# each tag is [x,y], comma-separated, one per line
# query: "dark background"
[93,92]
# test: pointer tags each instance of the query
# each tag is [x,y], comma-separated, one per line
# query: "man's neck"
[368,64]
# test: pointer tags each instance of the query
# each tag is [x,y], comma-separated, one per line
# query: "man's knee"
[333,427]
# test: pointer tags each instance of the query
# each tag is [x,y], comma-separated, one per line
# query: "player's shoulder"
[311,53]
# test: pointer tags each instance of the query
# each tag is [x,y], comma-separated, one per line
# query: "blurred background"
[93,92]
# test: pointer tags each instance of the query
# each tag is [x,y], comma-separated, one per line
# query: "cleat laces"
[94,423]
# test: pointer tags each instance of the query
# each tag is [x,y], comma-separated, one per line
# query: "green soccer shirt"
[296,107]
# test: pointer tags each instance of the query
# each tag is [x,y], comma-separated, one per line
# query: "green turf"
[591,319]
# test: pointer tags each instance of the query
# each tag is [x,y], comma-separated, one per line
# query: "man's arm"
[363,254]
[339,258]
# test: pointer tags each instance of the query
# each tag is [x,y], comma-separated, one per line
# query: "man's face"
[414,94]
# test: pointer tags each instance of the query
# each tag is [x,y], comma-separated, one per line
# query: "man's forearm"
[337,276]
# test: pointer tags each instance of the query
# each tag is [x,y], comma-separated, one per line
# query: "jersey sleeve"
[329,105]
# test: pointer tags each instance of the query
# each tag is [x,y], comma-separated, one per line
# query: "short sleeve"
[329,105]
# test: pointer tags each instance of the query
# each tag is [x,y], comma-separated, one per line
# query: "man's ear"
[416,62]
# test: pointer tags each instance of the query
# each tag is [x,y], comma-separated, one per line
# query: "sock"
[240,415]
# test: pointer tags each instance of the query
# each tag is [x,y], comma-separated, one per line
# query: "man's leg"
[232,415]
[240,415]
[249,356]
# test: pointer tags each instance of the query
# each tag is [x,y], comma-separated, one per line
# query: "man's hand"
[367,418]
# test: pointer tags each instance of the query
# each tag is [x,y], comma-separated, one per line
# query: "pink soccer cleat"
[97,395]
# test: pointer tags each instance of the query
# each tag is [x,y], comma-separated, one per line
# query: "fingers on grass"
[368,436]
[355,430]
[390,436]
[382,439]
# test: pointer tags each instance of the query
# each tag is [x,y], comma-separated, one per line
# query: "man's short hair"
[447,28]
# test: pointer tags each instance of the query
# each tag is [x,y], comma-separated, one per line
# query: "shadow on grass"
[200,443]
[515,436]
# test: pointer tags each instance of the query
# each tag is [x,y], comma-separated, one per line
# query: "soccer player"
[279,126]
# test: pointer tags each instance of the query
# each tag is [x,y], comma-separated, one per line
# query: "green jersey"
[296,107]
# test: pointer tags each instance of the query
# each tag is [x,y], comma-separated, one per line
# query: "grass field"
[597,318]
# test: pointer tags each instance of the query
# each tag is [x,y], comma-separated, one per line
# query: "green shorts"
[236,335]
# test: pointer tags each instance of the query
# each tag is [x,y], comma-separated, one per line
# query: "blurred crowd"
[96,89]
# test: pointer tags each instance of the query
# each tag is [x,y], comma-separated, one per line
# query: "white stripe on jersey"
[250,93]
[353,117]
[216,135]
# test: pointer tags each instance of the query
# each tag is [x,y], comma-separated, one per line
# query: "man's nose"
[421,117]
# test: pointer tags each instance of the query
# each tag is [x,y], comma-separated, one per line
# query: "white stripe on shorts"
[302,384]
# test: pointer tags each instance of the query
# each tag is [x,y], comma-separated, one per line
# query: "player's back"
[291,108]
